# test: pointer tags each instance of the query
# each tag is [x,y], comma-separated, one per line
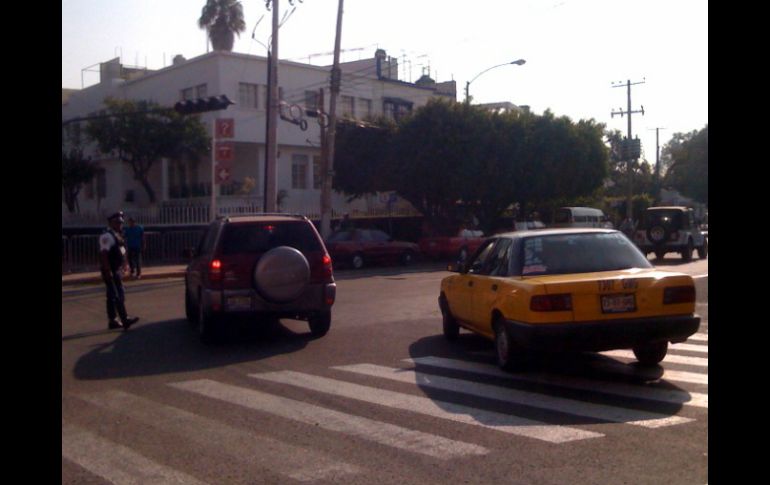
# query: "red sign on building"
[225,128]
[225,151]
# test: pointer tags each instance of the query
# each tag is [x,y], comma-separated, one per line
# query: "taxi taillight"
[678,294]
[551,303]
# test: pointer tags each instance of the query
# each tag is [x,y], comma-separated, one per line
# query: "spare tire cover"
[281,274]
[658,234]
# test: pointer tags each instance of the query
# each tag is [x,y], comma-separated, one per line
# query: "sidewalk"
[148,273]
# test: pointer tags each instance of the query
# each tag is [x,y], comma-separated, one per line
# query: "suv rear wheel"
[320,323]
[206,324]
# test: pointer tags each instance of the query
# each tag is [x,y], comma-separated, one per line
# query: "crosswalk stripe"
[571,382]
[116,463]
[293,461]
[699,337]
[703,349]
[431,407]
[642,373]
[601,412]
[670,358]
[364,428]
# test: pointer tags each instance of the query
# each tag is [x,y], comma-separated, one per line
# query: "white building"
[369,87]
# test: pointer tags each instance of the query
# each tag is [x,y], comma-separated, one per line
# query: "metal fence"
[81,252]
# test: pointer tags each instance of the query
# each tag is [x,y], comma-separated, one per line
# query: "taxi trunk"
[591,297]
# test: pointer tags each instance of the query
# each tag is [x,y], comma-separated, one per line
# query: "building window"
[396,108]
[364,108]
[247,95]
[299,172]
[201,91]
[187,94]
[347,106]
[317,175]
[312,99]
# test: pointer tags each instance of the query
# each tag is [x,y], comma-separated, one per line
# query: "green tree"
[222,19]
[686,158]
[140,133]
[76,170]
[450,160]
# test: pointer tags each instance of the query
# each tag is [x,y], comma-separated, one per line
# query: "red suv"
[266,265]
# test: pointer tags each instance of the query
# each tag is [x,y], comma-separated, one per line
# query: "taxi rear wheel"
[651,353]
[510,356]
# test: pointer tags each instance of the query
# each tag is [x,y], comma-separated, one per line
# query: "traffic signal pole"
[630,157]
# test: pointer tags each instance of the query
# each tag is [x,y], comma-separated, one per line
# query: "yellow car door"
[489,284]
[465,285]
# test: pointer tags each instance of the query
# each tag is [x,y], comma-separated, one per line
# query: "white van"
[580,217]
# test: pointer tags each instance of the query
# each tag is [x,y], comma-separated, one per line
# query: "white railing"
[197,212]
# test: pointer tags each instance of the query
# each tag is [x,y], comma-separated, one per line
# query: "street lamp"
[518,62]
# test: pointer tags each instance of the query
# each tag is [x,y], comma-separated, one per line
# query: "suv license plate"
[235,303]
[618,303]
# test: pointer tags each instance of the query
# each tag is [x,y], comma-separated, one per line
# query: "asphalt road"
[382,398]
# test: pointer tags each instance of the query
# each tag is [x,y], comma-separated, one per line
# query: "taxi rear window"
[579,253]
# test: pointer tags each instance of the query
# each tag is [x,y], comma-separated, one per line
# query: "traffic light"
[200,105]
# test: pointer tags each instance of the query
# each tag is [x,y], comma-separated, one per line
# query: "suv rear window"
[261,237]
[667,217]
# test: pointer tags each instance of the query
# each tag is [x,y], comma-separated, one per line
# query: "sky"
[576,51]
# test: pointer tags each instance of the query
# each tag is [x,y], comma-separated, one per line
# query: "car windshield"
[579,253]
[261,237]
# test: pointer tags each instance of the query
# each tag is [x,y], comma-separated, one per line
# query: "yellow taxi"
[567,289]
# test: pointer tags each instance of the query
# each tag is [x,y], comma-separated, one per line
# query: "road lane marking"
[293,461]
[619,389]
[116,463]
[445,410]
[601,412]
[670,359]
[364,428]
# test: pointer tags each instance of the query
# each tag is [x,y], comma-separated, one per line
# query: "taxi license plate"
[618,303]
[239,303]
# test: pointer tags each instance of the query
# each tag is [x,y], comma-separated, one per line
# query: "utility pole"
[657,165]
[630,154]
[327,160]
[271,138]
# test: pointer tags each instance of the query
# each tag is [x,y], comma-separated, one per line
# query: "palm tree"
[222,19]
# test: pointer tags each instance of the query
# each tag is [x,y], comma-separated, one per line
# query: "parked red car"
[457,247]
[367,246]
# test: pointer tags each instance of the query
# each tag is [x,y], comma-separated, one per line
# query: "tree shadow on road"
[172,346]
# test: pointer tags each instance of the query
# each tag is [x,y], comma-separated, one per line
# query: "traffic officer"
[112,258]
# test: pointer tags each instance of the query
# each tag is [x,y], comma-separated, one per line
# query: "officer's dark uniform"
[113,279]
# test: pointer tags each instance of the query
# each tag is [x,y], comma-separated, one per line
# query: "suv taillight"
[322,273]
[215,271]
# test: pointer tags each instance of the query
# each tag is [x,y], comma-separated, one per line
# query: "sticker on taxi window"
[535,268]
